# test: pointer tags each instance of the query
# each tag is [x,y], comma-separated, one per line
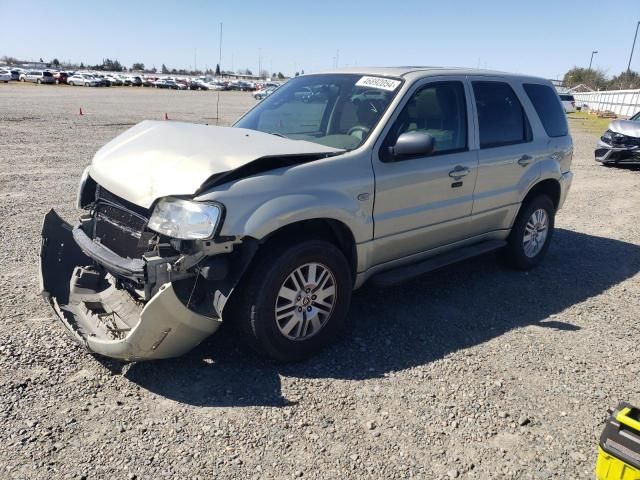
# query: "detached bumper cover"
[606,153]
[108,320]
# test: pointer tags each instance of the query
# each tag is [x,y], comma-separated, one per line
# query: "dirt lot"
[475,371]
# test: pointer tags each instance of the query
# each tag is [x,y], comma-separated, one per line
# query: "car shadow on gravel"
[407,326]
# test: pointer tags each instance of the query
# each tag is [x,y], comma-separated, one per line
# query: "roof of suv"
[412,72]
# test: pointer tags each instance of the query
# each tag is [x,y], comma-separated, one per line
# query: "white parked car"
[568,102]
[83,80]
[5,76]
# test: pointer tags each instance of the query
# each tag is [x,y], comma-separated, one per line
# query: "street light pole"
[591,61]
[632,48]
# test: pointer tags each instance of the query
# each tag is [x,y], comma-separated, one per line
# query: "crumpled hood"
[625,127]
[156,159]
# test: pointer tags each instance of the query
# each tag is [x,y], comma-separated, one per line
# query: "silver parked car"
[620,143]
[334,179]
[83,80]
[37,76]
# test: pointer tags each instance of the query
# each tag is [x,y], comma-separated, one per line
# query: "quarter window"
[548,108]
[501,118]
[439,109]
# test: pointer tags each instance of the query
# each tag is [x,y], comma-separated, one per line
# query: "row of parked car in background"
[105,79]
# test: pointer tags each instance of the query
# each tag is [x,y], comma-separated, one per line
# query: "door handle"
[525,160]
[459,172]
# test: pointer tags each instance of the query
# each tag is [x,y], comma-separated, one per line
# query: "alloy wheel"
[535,233]
[305,301]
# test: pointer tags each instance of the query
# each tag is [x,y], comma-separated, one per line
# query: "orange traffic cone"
[166,117]
[81,111]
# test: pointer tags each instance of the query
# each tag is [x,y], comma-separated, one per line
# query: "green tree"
[280,76]
[55,62]
[137,66]
[592,78]
[164,69]
[217,69]
[625,81]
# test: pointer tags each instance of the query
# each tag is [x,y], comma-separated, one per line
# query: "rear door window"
[548,108]
[501,117]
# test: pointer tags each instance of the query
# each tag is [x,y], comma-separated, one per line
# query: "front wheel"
[295,301]
[531,234]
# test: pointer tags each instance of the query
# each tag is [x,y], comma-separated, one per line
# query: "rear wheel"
[295,301]
[531,234]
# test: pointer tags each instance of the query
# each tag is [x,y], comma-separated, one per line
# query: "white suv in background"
[568,102]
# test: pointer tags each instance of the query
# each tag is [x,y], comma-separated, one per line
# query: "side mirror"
[412,144]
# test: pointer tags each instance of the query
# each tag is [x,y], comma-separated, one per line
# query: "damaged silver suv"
[272,223]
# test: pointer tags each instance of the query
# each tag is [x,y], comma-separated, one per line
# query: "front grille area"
[119,225]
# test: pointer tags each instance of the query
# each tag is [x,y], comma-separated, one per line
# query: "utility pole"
[591,61]
[195,59]
[220,51]
[632,48]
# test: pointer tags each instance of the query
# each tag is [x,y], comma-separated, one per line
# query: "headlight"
[607,136]
[184,219]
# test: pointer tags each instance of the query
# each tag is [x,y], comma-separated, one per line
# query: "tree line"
[596,79]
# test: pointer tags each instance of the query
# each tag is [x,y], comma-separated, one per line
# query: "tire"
[523,256]
[253,310]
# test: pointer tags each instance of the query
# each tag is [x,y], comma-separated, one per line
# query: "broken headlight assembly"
[616,139]
[186,220]
[607,137]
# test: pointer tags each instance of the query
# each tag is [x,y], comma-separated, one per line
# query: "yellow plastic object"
[611,468]
[624,418]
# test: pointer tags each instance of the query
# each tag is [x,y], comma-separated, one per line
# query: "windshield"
[334,110]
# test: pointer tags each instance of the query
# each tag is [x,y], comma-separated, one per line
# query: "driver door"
[424,202]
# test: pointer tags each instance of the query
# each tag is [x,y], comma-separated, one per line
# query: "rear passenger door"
[507,150]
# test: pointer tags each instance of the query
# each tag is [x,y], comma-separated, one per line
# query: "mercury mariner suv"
[334,179]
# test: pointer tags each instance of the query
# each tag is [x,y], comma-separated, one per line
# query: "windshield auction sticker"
[378,82]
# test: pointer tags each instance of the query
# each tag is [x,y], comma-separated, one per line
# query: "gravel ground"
[475,371]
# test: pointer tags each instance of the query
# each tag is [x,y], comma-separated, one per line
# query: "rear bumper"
[105,319]
[605,153]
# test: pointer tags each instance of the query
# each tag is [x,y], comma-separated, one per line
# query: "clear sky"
[538,37]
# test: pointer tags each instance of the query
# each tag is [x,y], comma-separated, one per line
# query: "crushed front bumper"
[606,153]
[105,319]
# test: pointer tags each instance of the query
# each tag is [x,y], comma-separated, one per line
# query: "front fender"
[287,209]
